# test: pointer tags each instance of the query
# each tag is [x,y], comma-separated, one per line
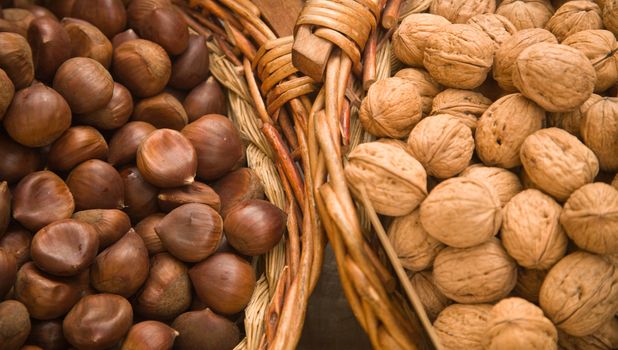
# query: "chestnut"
[98,321]
[224,281]
[96,185]
[217,143]
[197,192]
[167,159]
[37,116]
[150,335]
[78,144]
[16,241]
[108,15]
[48,335]
[192,66]
[125,141]
[122,37]
[85,84]
[237,186]
[167,291]
[5,207]
[61,8]
[17,161]
[88,41]
[36,10]
[162,111]
[116,112]
[205,98]
[146,230]
[8,272]
[50,44]
[16,59]
[191,232]
[110,224]
[140,197]
[142,66]
[35,194]
[7,91]
[14,324]
[17,20]
[205,330]
[160,22]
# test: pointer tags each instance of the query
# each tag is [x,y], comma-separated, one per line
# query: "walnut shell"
[531,231]
[432,299]
[599,130]
[442,144]
[590,218]
[461,326]
[580,293]
[391,108]
[502,182]
[395,182]
[460,11]
[571,121]
[480,274]
[529,283]
[526,14]
[601,48]
[465,105]
[498,27]
[410,38]
[504,126]
[415,249]
[605,338]
[459,56]
[573,17]
[515,323]
[507,53]
[610,16]
[558,162]
[427,87]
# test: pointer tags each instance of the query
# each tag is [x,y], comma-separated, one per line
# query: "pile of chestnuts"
[127,216]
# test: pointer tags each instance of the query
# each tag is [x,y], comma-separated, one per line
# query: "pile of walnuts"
[498,178]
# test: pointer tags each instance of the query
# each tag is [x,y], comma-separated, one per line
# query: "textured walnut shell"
[460,11]
[502,182]
[433,300]
[605,338]
[504,126]
[580,293]
[498,27]
[601,48]
[531,231]
[526,14]
[459,56]
[610,15]
[507,53]
[391,108]
[558,162]
[599,129]
[571,121]
[529,284]
[465,105]
[410,38]
[395,182]
[427,87]
[573,17]
[461,212]
[515,323]
[462,326]
[442,144]
[415,249]
[590,218]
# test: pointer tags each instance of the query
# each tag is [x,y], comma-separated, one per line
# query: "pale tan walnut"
[498,27]
[461,212]
[599,130]
[605,338]
[459,56]
[572,121]
[557,77]
[433,300]
[391,108]
[526,14]
[461,326]
[580,293]
[601,48]
[610,16]
[573,17]
[504,126]
[395,182]
[502,182]
[442,144]
[409,39]
[465,105]
[526,181]
[515,323]
[460,11]
[507,53]
[480,274]
[615,182]
[590,218]
[427,87]
[531,231]
[415,249]
[529,283]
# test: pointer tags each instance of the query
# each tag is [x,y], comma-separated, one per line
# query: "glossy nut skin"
[76,145]
[16,59]
[160,22]
[48,335]
[5,207]
[150,335]
[16,241]
[7,91]
[110,224]
[146,230]
[205,330]
[51,46]
[205,98]
[8,272]
[88,41]
[162,111]
[197,192]
[96,185]
[237,186]
[140,196]
[85,84]
[124,143]
[114,114]
[14,324]
[142,66]
[109,16]
[17,161]
[192,66]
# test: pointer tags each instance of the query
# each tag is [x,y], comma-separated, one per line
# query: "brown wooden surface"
[280,14]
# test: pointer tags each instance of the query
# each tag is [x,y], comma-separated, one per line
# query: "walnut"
[507,53]
[415,248]
[601,48]
[571,121]
[442,144]
[498,27]
[459,56]
[460,11]
[599,130]
[426,85]
[529,283]
[610,16]
[605,338]
[391,108]
[410,38]
[531,231]
[461,326]
[580,293]
[395,182]
[467,106]
[558,162]
[526,181]
[526,14]
[480,274]
[590,218]
[573,17]
[515,323]
[433,300]
[502,182]
[461,212]
[557,77]
[503,128]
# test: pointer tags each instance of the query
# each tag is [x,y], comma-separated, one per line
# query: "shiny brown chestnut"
[224,281]
[85,84]
[17,20]
[142,66]
[205,330]
[50,44]
[146,230]
[16,241]
[110,224]
[61,8]
[140,197]
[123,37]
[48,335]
[96,185]
[17,161]
[78,144]
[192,66]
[197,192]
[8,272]
[109,16]
[35,194]
[14,324]
[16,59]
[162,111]
[7,91]
[5,207]
[116,112]
[205,98]
[88,41]
[36,10]
[125,142]
[160,22]
[237,186]
[150,335]
[98,321]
